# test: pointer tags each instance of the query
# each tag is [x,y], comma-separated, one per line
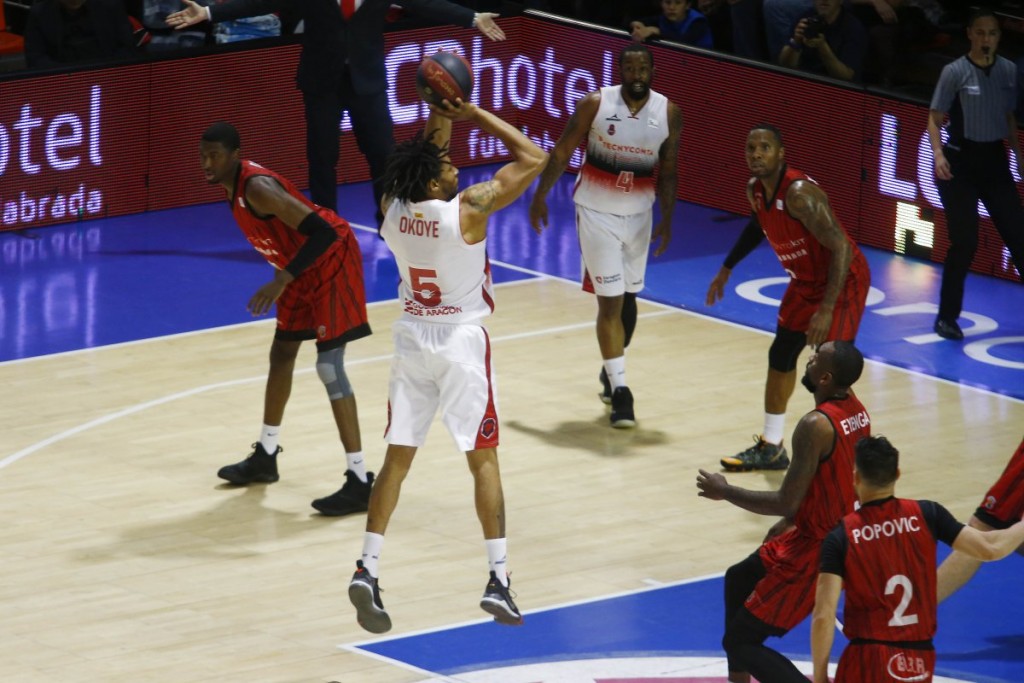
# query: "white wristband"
[476,17]
[209,15]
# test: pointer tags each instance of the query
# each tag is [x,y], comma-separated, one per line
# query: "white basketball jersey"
[617,175]
[443,279]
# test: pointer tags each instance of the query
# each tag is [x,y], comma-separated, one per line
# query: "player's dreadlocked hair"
[411,167]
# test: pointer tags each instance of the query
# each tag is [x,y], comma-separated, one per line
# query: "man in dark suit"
[60,32]
[341,68]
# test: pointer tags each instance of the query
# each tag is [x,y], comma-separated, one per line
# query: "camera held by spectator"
[815,26]
[831,42]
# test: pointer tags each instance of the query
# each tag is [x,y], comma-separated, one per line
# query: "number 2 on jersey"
[899,618]
[423,290]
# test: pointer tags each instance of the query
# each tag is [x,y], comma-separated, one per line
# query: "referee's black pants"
[373,129]
[745,634]
[980,171]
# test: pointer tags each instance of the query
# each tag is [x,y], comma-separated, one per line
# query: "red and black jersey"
[785,595]
[831,494]
[885,552]
[270,235]
[1004,503]
[327,301]
[801,254]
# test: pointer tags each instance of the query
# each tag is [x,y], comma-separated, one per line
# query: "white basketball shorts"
[446,366]
[614,249]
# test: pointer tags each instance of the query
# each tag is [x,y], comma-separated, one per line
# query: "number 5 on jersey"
[423,290]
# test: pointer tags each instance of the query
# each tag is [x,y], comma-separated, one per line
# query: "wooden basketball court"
[125,559]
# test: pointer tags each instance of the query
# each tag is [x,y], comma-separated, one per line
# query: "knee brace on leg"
[330,368]
[785,350]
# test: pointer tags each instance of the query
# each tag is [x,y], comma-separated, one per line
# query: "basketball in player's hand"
[444,76]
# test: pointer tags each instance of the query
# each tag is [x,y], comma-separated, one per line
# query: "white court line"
[541,276]
[738,326]
[139,407]
[665,309]
[652,586]
[267,320]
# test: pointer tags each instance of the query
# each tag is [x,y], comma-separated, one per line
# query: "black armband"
[319,237]
[748,241]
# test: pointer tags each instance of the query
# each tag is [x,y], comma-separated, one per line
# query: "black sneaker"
[948,329]
[354,496]
[622,409]
[606,388]
[497,602]
[761,456]
[364,593]
[260,467]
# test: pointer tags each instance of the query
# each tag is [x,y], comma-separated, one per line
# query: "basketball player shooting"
[442,355]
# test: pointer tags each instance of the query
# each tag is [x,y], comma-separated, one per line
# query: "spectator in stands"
[748,33]
[830,42]
[717,13]
[780,16]
[894,28]
[60,32]
[678,22]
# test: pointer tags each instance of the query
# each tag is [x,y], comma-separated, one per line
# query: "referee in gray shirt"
[979,93]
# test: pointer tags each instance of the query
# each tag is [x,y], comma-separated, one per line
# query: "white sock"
[269,437]
[356,463]
[497,558]
[372,545]
[774,428]
[615,368]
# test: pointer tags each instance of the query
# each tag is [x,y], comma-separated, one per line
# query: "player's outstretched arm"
[989,545]
[812,438]
[958,568]
[575,130]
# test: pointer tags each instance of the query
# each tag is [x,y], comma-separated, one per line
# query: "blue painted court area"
[117,280]
[108,281]
[123,279]
[685,621]
[114,280]
[897,325]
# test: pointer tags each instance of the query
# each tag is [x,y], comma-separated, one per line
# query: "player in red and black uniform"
[318,288]
[1002,506]
[884,556]
[828,287]
[772,591]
